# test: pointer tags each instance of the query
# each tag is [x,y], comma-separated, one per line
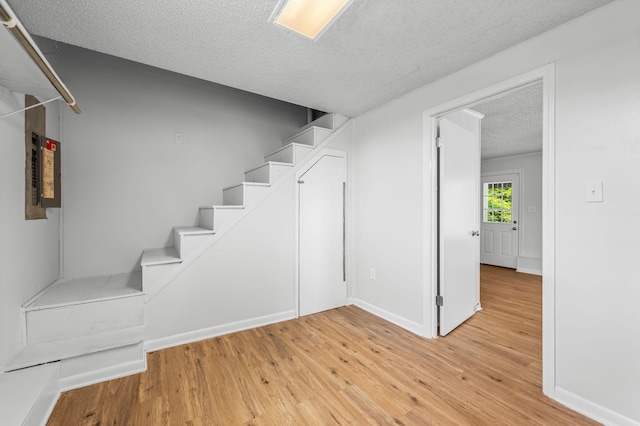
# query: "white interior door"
[459,245]
[322,283]
[500,229]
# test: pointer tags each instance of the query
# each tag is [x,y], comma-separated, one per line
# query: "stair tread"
[160,256]
[309,129]
[21,389]
[223,207]
[273,163]
[61,349]
[248,184]
[193,230]
[289,145]
[88,289]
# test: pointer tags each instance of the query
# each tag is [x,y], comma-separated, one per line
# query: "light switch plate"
[593,193]
[178,138]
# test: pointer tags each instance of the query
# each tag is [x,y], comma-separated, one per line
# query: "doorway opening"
[545,77]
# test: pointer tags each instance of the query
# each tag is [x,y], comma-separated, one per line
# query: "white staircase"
[99,322]
[160,265]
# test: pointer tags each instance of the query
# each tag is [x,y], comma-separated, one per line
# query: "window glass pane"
[496,202]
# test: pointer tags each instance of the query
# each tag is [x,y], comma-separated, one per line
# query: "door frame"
[520,173]
[546,75]
[310,162]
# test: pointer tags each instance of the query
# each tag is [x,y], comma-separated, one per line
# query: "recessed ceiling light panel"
[309,18]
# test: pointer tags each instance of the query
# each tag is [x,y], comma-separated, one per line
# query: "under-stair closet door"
[321,246]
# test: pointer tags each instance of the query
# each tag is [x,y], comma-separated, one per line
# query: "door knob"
[514,228]
[475,233]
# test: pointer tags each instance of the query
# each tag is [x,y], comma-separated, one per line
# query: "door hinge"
[300,181]
[439,300]
[439,142]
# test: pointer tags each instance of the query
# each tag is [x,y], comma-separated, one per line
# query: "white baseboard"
[99,367]
[592,410]
[219,330]
[103,375]
[413,327]
[529,271]
[529,265]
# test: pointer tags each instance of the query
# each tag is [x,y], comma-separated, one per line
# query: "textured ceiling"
[378,49]
[512,124]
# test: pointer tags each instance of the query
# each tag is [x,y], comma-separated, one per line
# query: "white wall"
[597,138]
[530,224]
[29,253]
[126,182]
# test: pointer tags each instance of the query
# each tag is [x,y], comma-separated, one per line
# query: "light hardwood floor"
[345,366]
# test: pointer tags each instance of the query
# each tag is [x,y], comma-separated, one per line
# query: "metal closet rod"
[12,25]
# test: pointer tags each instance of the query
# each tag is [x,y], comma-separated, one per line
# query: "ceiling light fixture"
[309,18]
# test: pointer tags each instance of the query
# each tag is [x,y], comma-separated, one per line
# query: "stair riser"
[69,348]
[206,218]
[187,244]
[152,274]
[291,154]
[221,217]
[68,322]
[328,121]
[269,173]
[243,195]
[233,196]
[312,137]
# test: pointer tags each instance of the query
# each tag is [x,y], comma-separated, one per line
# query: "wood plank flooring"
[345,366]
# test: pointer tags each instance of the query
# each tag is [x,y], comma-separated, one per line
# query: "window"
[496,202]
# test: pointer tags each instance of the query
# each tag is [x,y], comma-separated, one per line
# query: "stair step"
[269,172]
[186,239]
[159,256]
[63,349]
[328,121]
[215,217]
[313,136]
[86,290]
[62,322]
[291,153]
[242,194]
[28,395]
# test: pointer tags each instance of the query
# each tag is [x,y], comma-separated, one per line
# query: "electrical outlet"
[593,192]
[372,274]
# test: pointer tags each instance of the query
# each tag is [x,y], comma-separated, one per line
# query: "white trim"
[215,331]
[592,410]
[529,271]
[509,157]
[104,374]
[529,265]
[547,75]
[414,327]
